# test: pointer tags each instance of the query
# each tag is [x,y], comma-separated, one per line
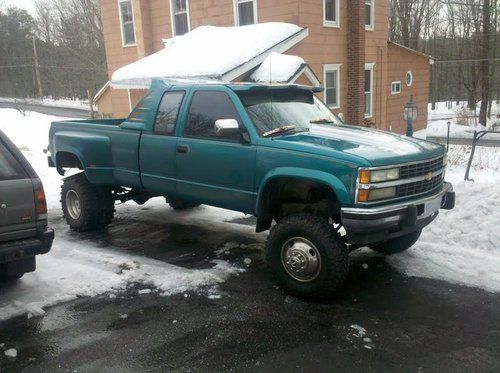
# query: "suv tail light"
[40,203]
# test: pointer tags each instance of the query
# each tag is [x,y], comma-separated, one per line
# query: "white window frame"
[393,85]
[372,15]
[173,14]
[371,67]
[121,24]
[328,23]
[410,73]
[329,68]
[236,11]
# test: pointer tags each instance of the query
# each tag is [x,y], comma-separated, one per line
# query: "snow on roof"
[210,52]
[278,68]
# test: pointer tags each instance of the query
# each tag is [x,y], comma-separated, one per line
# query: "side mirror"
[341,117]
[226,127]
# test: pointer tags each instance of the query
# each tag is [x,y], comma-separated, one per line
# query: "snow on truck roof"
[211,53]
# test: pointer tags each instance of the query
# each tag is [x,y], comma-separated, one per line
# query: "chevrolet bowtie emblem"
[428,177]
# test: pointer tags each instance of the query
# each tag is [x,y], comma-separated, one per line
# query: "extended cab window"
[166,118]
[9,167]
[207,107]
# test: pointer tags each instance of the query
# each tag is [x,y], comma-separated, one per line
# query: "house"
[365,76]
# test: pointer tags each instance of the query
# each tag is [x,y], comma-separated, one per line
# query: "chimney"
[355,62]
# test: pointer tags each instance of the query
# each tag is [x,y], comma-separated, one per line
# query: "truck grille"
[419,169]
[419,187]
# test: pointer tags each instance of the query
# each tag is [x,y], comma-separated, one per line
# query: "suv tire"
[86,207]
[179,204]
[396,245]
[308,257]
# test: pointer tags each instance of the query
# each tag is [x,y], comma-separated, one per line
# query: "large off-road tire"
[178,204]
[86,207]
[396,245]
[308,257]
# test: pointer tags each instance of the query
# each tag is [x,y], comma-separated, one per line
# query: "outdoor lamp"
[410,115]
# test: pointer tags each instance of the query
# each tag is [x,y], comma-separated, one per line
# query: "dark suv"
[23,214]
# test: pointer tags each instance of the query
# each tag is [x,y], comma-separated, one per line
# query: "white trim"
[372,15]
[411,80]
[328,23]
[101,91]
[279,48]
[172,17]
[306,70]
[236,12]
[370,66]
[393,92]
[121,23]
[329,68]
[129,100]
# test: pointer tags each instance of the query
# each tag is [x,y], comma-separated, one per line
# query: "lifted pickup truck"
[274,151]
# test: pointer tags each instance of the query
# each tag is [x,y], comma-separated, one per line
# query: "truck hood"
[379,148]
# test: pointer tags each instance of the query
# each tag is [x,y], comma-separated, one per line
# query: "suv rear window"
[10,169]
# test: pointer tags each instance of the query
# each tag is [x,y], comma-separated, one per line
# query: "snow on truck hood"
[210,53]
[378,147]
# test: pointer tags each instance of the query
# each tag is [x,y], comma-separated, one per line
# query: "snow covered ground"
[461,246]
[49,101]
[463,121]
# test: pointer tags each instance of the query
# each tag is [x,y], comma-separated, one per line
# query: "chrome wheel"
[73,204]
[301,259]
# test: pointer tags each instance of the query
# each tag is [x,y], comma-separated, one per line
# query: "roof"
[411,50]
[278,68]
[211,53]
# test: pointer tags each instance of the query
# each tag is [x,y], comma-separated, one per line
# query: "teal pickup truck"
[273,151]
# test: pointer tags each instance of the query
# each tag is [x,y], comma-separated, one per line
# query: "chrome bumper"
[373,224]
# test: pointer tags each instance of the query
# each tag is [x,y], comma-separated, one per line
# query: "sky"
[24,4]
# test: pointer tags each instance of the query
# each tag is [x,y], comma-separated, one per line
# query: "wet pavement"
[382,321]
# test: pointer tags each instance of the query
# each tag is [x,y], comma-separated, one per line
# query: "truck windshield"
[285,111]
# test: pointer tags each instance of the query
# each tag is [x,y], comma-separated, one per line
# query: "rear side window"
[10,169]
[207,107]
[166,118]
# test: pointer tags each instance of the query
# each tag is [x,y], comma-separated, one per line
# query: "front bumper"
[29,247]
[376,224]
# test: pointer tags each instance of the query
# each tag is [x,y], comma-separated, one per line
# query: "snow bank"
[207,52]
[278,68]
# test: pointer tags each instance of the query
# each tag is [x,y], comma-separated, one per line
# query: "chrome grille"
[419,169]
[419,187]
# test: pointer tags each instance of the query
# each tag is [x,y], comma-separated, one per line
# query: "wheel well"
[288,195]
[67,160]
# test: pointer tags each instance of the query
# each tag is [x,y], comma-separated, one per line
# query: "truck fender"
[338,187]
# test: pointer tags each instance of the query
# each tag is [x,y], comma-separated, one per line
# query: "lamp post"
[410,115]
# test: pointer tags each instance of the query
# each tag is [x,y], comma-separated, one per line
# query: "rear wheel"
[179,204]
[308,257]
[86,207]
[396,245]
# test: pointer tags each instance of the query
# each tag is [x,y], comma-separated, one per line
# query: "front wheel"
[308,257]
[178,204]
[396,245]
[86,207]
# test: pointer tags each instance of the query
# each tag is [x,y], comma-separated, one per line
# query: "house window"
[331,13]
[245,12]
[331,80]
[369,14]
[409,78]
[368,89]
[180,17]
[395,87]
[127,22]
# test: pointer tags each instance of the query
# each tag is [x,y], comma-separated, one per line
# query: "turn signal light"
[363,195]
[40,202]
[364,176]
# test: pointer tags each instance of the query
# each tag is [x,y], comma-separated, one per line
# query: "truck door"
[17,203]
[210,169]
[157,151]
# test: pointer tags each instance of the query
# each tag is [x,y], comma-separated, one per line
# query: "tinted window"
[166,118]
[9,167]
[207,107]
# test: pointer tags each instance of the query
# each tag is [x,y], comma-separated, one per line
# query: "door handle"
[184,149]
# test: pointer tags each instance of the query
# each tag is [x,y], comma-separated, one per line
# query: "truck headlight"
[366,195]
[377,176]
